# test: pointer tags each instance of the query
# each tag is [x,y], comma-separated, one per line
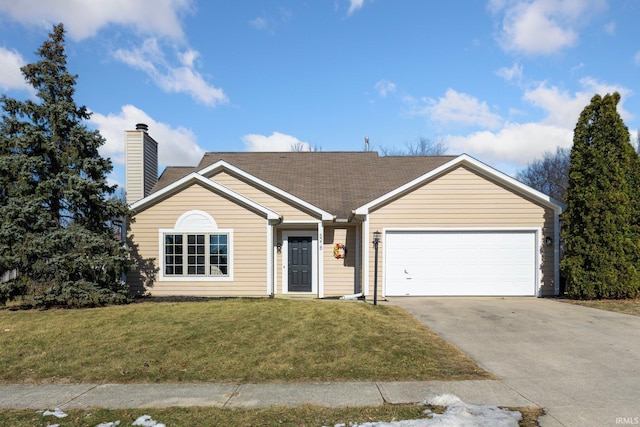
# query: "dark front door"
[300,264]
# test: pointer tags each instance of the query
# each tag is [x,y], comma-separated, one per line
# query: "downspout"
[274,260]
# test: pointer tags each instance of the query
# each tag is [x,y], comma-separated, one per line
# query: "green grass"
[262,340]
[629,306]
[275,416]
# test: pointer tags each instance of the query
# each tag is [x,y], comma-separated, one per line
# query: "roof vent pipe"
[142,126]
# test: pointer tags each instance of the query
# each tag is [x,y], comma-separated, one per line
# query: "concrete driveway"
[581,365]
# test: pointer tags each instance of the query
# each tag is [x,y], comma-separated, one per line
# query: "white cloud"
[355,5]
[169,77]
[385,87]
[511,74]
[636,58]
[159,18]
[542,26]
[520,143]
[564,108]
[517,143]
[276,142]
[176,146]
[456,107]
[259,23]
[610,28]
[269,22]
[83,19]
[11,77]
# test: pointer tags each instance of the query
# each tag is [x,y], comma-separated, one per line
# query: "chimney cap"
[142,126]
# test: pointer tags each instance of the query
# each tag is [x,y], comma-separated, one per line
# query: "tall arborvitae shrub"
[599,226]
[56,209]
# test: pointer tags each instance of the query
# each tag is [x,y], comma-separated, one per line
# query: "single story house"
[304,223]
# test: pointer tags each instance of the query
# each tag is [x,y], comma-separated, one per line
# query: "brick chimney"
[141,163]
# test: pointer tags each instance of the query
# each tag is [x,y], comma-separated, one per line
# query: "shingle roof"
[337,182]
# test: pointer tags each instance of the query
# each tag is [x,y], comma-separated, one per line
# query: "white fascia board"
[466,160]
[222,165]
[207,183]
[513,183]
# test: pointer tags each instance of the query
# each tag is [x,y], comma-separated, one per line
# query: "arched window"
[196,249]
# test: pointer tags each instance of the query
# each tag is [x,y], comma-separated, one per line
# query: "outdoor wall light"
[376,237]
[548,241]
[279,247]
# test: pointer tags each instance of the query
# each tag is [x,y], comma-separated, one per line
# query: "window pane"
[217,259]
[196,263]
[172,245]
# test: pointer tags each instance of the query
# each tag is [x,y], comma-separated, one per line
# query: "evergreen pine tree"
[599,229]
[56,208]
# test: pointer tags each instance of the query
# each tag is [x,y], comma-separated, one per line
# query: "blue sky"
[501,80]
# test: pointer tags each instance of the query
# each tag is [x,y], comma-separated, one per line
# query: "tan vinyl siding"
[286,210]
[249,244]
[463,198]
[339,274]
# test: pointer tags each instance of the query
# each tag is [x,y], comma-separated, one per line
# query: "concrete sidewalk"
[119,396]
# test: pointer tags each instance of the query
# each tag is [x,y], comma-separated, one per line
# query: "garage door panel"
[460,263]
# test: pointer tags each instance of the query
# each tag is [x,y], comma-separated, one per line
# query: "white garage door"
[460,263]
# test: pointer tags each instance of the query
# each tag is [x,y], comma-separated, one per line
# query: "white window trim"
[171,278]
[184,226]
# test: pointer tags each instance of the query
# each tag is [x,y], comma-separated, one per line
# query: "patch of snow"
[109,424]
[443,400]
[457,414]
[349,297]
[147,421]
[56,413]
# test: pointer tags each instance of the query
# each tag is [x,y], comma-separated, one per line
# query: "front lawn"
[240,340]
[628,306]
